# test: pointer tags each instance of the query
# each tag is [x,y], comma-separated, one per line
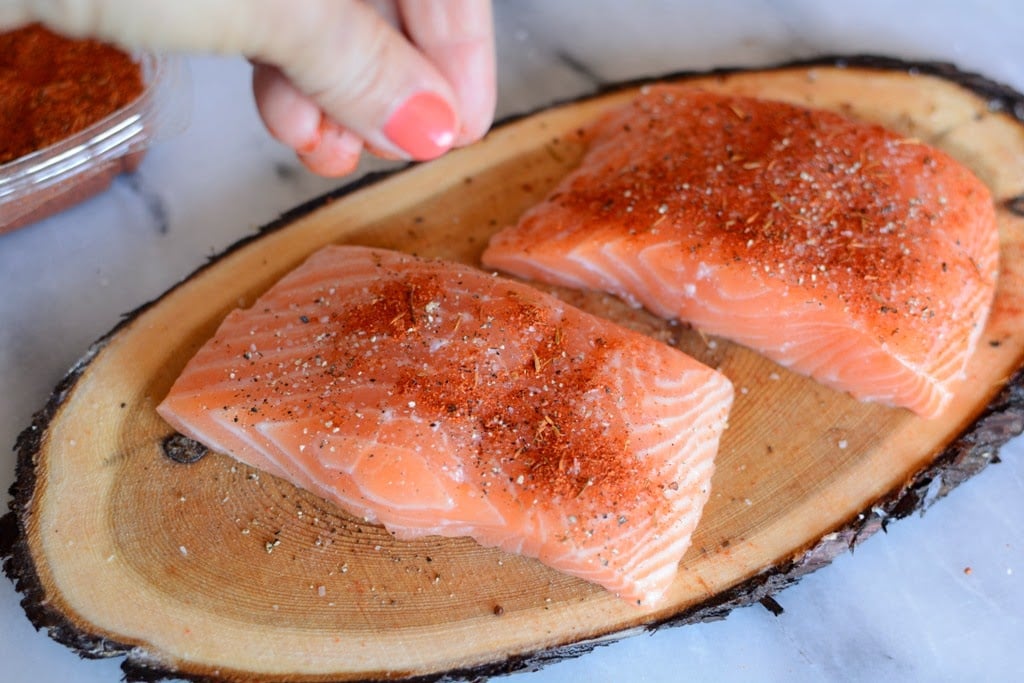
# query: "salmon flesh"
[834,247]
[437,399]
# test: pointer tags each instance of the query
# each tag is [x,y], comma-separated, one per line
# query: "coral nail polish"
[424,126]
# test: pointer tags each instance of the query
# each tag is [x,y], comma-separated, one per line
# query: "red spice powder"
[52,87]
[532,442]
[557,453]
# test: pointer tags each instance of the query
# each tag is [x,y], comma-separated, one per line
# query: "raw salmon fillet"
[437,399]
[834,247]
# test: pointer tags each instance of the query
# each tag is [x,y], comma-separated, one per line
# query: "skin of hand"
[406,79]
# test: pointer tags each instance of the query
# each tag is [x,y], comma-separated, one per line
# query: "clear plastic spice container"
[51,179]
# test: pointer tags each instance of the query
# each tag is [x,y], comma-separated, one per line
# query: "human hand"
[403,78]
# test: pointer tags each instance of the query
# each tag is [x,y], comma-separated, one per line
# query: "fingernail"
[424,126]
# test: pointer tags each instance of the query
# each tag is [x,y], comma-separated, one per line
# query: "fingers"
[458,37]
[371,80]
[352,63]
[289,115]
[345,79]
[323,147]
[298,122]
[187,25]
[13,14]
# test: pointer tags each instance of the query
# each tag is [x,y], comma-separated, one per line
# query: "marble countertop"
[939,597]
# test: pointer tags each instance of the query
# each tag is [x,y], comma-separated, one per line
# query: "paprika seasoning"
[52,87]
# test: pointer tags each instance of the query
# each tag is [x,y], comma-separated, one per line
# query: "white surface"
[902,607]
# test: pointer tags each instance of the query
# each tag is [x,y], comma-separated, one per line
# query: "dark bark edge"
[971,452]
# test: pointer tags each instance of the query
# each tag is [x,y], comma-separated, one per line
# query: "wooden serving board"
[213,571]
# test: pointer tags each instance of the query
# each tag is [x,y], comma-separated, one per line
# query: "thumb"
[363,73]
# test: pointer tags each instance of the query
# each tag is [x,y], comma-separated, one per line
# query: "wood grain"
[224,573]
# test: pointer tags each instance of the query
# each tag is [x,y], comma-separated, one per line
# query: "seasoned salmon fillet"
[834,247]
[434,398]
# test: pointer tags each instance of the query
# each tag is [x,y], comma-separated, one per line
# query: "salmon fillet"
[836,248]
[434,398]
